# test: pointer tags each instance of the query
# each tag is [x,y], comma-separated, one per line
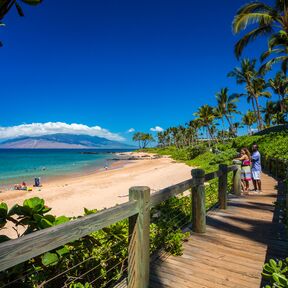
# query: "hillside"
[62,141]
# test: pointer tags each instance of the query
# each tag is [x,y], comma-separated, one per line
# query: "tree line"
[215,123]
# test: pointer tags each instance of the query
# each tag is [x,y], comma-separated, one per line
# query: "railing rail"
[275,166]
[137,210]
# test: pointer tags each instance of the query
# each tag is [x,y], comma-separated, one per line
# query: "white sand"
[103,189]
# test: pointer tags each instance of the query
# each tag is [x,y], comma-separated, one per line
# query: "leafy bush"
[195,151]
[276,272]
[101,250]
[273,145]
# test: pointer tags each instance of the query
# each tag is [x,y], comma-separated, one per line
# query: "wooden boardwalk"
[233,250]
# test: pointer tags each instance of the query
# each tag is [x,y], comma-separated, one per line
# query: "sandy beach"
[103,189]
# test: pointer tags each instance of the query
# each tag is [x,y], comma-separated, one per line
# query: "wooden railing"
[276,167]
[137,210]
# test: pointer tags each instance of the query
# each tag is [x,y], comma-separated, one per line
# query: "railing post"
[276,168]
[270,166]
[237,181]
[198,201]
[222,186]
[286,192]
[139,234]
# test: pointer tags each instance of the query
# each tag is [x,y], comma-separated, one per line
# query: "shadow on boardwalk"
[232,252]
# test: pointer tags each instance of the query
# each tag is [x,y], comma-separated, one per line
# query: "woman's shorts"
[246,173]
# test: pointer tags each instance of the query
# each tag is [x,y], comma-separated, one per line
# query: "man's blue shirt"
[256,161]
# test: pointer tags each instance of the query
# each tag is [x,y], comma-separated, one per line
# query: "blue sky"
[117,64]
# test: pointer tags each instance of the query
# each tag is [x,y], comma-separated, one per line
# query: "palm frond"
[267,53]
[284,66]
[255,6]
[268,65]
[32,2]
[266,94]
[241,21]
[249,37]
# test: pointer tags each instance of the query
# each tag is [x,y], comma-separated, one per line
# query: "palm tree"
[279,85]
[161,139]
[226,106]
[6,5]
[236,126]
[255,85]
[143,139]
[206,117]
[269,21]
[195,125]
[268,111]
[249,119]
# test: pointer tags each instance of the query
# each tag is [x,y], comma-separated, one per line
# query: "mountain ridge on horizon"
[62,141]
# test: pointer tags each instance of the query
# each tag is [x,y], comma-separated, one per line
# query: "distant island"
[63,141]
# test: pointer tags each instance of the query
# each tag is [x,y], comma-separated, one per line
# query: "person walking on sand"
[256,168]
[245,158]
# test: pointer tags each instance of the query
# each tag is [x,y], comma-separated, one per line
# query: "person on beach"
[245,158]
[256,168]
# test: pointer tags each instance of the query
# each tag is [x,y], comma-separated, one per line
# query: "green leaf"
[17,210]
[61,220]
[35,203]
[4,238]
[50,259]
[273,264]
[88,212]
[62,251]
[44,223]
[283,280]
[3,210]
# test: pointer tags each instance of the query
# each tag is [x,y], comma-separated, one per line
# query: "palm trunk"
[258,114]
[230,124]
[255,112]
[281,102]
[222,129]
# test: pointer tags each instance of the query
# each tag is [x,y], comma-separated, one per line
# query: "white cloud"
[38,129]
[131,130]
[157,129]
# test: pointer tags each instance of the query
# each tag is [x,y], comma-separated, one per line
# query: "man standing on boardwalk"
[256,168]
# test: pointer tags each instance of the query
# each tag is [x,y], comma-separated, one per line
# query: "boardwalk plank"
[232,251]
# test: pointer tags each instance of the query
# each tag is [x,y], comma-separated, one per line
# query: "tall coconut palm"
[236,126]
[268,111]
[161,139]
[226,105]
[249,119]
[195,125]
[279,85]
[265,20]
[206,117]
[219,114]
[255,85]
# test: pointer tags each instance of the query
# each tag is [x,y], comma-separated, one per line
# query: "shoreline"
[102,189]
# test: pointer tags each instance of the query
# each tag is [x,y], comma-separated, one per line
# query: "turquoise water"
[25,164]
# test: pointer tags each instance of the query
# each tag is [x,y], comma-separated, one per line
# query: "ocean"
[25,164]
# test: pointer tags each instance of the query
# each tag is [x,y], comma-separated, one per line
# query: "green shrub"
[195,151]
[273,145]
[276,273]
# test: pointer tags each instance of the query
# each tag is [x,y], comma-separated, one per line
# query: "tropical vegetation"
[208,138]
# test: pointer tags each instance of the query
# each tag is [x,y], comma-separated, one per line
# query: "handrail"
[273,166]
[169,192]
[137,210]
[16,251]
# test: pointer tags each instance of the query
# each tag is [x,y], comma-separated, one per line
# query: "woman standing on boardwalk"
[245,158]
